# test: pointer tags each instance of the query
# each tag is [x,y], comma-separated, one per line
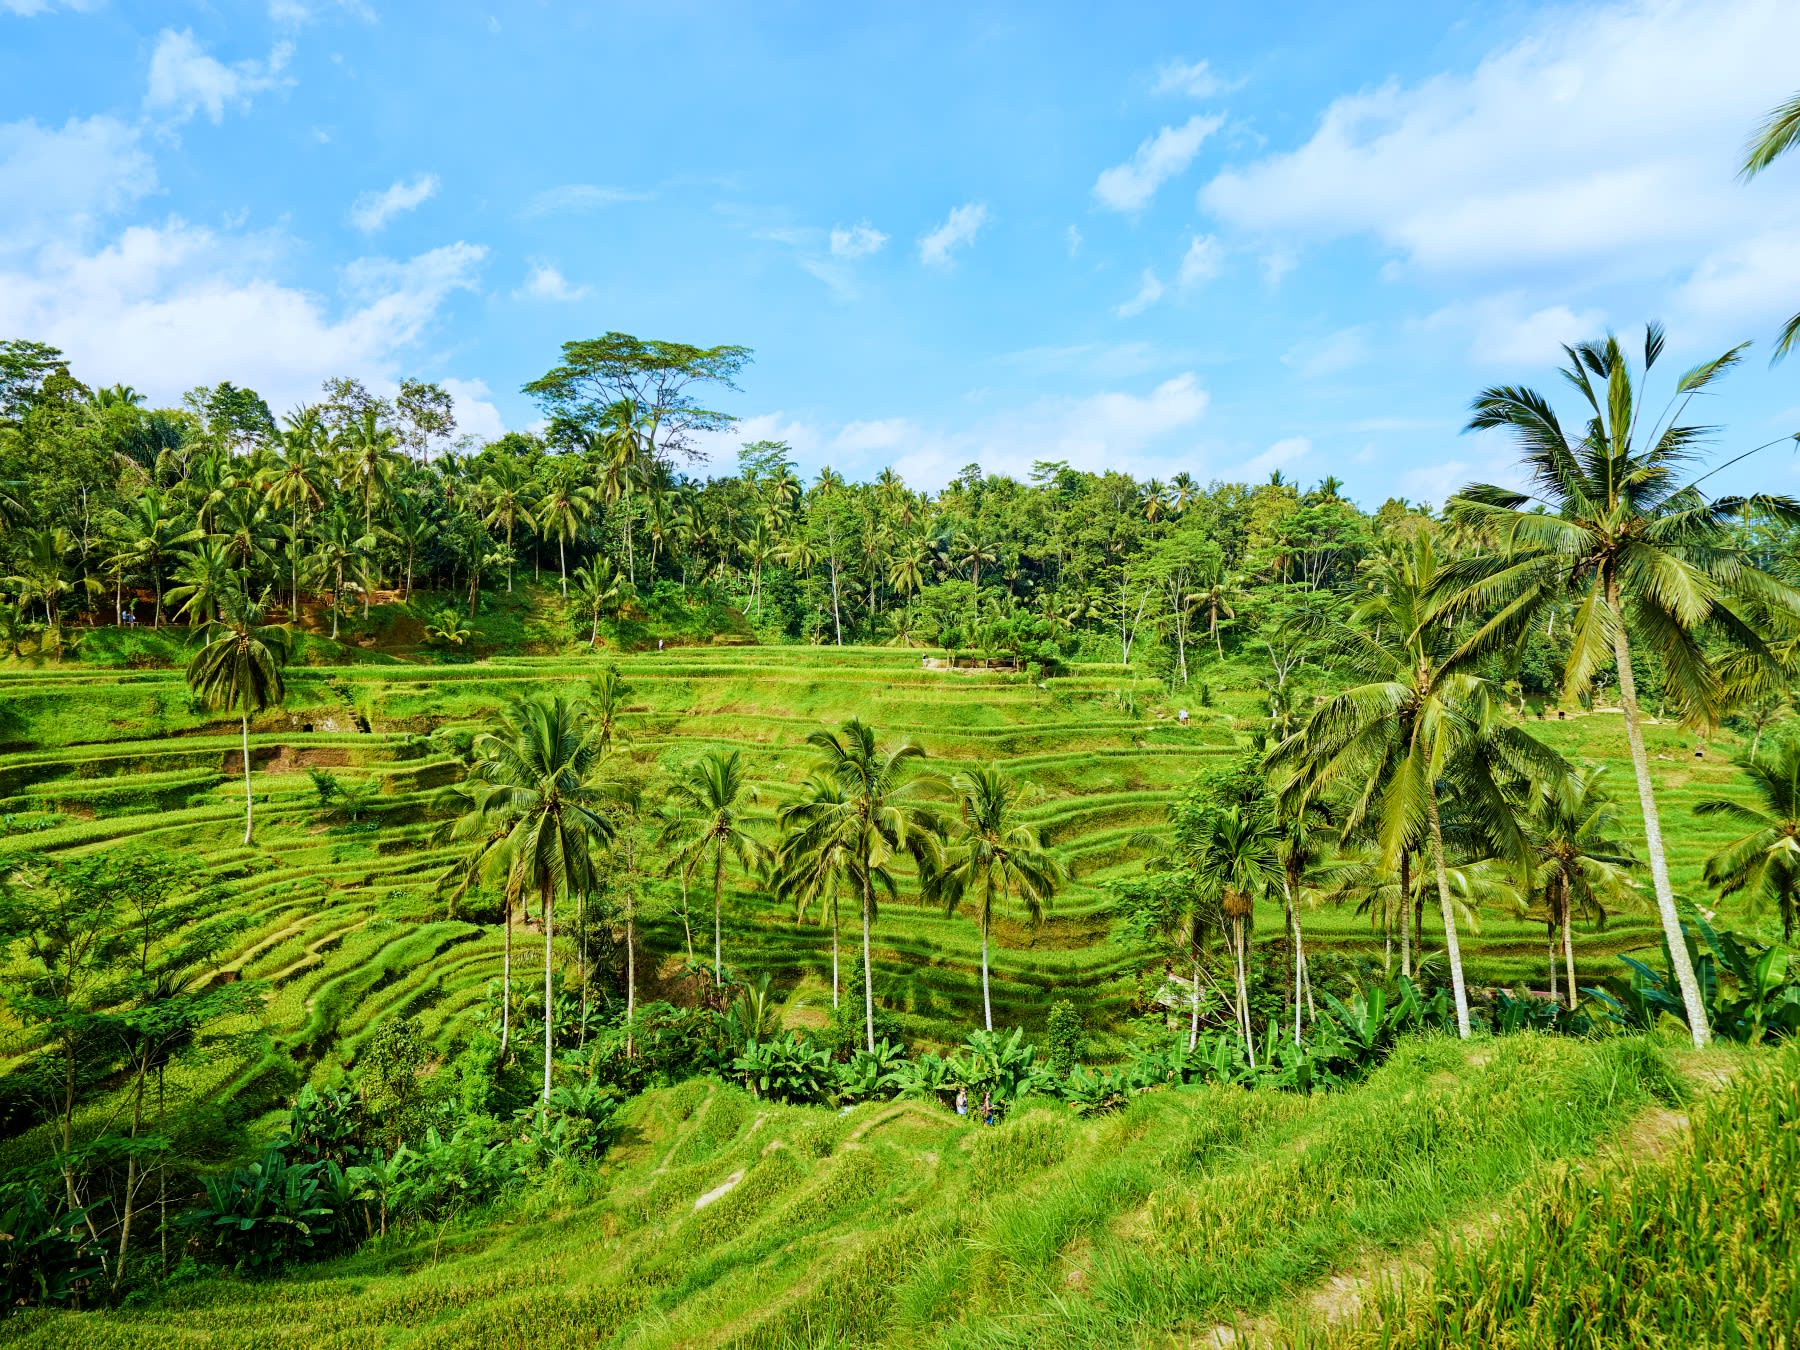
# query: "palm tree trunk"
[1243,988]
[687,926]
[834,956]
[630,951]
[249,798]
[1554,995]
[718,904]
[506,982]
[1406,912]
[1676,941]
[1299,957]
[1568,935]
[562,563]
[868,904]
[837,622]
[1452,947]
[1194,1005]
[549,1008]
[987,1006]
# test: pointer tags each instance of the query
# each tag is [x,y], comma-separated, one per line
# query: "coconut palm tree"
[624,798]
[1612,519]
[564,508]
[1577,861]
[911,568]
[992,853]
[623,451]
[371,461]
[341,554]
[710,795]
[203,578]
[1236,861]
[146,535]
[532,783]
[503,492]
[299,481]
[1765,863]
[1779,133]
[812,865]
[876,814]
[240,667]
[1419,721]
[599,587]
[606,704]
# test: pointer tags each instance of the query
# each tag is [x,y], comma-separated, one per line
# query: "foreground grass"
[1698,1245]
[897,1224]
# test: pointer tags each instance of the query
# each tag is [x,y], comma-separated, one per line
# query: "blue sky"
[1214,238]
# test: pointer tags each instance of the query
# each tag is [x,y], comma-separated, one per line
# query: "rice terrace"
[1127,772]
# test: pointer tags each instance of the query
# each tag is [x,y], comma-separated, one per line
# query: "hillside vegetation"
[719,1220]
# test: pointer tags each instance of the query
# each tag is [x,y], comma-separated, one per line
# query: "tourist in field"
[962,1101]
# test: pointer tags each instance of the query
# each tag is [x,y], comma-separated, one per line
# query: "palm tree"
[371,460]
[240,667]
[606,704]
[876,813]
[994,853]
[1419,719]
[1236,860]
[532,789]
[43,574]
[812,864]
[1764,863]
[341,552]
[759,547]
[566,506]
[502,491]
[624,799]
[1779,133]
[298,483]
[623,451]
[204,578]
[599,587]
[910,569]
[145,535]
[1643,550]
[710,795]
[1577,861]
[1217,589]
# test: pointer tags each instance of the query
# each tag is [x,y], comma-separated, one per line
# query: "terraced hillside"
[347,926]
[1196,1216]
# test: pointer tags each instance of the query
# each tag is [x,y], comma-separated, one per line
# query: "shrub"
[1065,1033]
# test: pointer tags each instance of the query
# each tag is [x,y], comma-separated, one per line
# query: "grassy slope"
[899,1224]
[344,924]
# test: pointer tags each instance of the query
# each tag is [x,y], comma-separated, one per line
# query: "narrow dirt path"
[1650,1134]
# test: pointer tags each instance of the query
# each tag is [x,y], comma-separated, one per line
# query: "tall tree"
[1613,520]
[239,668]
[1765,862]
[711,794]
[1577,861]
[1419,717]
[990,852]
[533,787]
[877,814]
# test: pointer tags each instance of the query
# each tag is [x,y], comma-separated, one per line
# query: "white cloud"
[1074,238]
[58,181]
[1276,264]
[1142,433]
[1329,355]
[1288,450]
[372,210]
[1131,185]
[581,197]
[476,414]
[1600,144]
[546,283]
[1506,331]
[1150,290]
[859,241]
[1754,279]
[167,307]
[1203,261]
[25,9]
[957,231]
[1196,81]
[185,80]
